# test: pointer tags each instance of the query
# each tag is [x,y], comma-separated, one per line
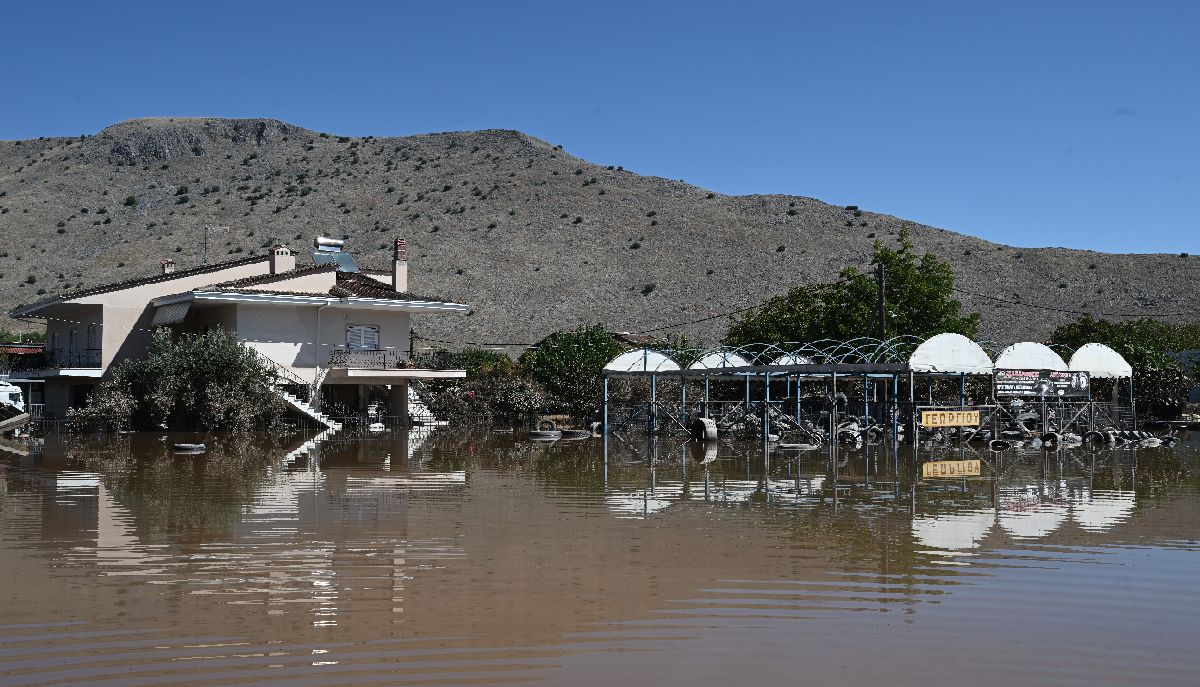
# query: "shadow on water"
[446,556]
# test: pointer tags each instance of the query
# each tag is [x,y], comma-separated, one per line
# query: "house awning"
[171,314]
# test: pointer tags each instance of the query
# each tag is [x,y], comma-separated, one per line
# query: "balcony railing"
[385,359]
[57,360]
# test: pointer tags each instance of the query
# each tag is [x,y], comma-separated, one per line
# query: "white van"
[11,395]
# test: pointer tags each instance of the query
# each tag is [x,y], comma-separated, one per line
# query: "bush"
[569,365]
[210,381]
[130,201]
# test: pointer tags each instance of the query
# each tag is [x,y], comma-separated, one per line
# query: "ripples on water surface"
[481,559]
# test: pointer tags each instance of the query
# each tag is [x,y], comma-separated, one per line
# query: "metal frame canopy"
[1101,362]
[1028,355]
[719,359]
[950,353]
[641,360]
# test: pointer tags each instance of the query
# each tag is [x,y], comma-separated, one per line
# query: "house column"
[399,403]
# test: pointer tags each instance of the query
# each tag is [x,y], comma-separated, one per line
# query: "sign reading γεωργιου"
[950,468]
[949,418]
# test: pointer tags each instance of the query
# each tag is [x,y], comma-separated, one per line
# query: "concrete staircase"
[301,406]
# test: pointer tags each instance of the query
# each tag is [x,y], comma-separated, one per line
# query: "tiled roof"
[353,285]
[349,285]
[271,278]
[142,281]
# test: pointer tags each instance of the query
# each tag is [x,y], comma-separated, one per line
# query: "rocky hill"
[533,237]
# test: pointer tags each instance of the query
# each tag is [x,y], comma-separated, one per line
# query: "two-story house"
[330,325]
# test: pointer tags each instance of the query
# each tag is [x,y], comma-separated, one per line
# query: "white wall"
[289,334]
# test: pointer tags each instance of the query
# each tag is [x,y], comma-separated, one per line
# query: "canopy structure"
[1101,362]
[793,359]
[1028,355]
[642,360]
[950,353]
[719,359]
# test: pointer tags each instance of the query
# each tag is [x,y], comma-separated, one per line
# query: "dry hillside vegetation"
[533,237]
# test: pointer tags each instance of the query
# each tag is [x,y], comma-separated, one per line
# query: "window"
[93,337]
[362,337]
[71,343]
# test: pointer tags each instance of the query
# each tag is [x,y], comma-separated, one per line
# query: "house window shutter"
[362,337]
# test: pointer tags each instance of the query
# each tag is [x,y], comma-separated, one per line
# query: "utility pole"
[881,316]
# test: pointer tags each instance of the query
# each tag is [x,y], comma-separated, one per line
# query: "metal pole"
[683,400]
[604,419]
[1133,405]
[707,413]
[912,403]
[767,410]
[651,424]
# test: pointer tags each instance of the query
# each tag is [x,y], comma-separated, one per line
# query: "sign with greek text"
[950,468]
[949,418]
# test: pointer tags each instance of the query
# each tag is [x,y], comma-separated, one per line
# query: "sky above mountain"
[1030,123]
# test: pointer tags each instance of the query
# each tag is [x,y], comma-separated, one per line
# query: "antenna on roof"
[208,227]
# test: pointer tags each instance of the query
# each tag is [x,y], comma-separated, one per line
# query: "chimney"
[400,267]
[168,266]
[282,259]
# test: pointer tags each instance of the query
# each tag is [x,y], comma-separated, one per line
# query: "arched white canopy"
[1101,361]
[718,360]
[792,359]
[950,353]
[1028,355]
[953,531]
[642,360]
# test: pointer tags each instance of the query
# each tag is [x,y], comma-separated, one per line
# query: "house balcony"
[58,363]
[369,359]
[383,366]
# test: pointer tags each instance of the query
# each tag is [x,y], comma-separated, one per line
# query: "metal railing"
[380,359]
[57,360]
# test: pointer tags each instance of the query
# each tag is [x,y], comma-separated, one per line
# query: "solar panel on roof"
[344,261]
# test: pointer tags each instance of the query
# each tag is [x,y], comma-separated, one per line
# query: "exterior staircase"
[301,406]
[285,377]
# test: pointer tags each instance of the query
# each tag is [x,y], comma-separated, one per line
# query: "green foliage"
[918,293]
[210,381]
[1160,381]
[569,364]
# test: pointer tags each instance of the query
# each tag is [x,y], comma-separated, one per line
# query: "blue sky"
[1032,123]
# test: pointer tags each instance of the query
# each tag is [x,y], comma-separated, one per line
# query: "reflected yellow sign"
[950,468]
[949,418]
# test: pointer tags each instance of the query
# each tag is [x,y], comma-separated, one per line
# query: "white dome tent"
[1101,362]
[1028,355]
[719,360]
[642,360]
[950,353]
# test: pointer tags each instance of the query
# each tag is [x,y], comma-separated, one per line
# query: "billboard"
[1042,383]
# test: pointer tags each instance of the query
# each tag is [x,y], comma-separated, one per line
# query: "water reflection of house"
[330,323]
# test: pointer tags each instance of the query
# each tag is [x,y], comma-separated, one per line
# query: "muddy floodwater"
[482,558]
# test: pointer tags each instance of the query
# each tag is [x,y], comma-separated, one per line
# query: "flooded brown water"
[482,559]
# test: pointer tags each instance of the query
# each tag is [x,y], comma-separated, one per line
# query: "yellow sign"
[949,418]
[950,468]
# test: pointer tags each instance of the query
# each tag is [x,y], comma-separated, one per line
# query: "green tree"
[1160,380]
[210,381]
[569,365]
[918,293]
